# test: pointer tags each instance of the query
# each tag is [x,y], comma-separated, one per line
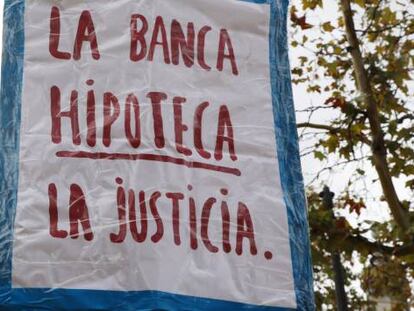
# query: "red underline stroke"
[147,157]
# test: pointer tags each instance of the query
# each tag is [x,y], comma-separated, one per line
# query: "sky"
[337,178]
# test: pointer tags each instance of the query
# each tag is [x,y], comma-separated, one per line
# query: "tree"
[360,59]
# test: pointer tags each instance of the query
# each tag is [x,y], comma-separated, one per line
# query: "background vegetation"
[357,57]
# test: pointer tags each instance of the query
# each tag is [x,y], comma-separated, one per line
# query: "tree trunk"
[379,152]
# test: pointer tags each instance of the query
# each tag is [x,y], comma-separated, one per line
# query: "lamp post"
[339,273]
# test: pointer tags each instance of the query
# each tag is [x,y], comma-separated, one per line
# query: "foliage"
[367,84]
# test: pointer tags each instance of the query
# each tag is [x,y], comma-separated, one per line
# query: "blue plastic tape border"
[65,299]
[10,106]
[288,156]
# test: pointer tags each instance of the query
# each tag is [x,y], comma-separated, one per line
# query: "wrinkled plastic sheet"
[143,170]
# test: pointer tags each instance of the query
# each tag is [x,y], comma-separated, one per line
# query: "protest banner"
[150,158]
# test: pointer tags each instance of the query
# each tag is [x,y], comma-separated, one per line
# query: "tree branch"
[318,126]
[378,145]
[404,250]
[358,242]
[332,130]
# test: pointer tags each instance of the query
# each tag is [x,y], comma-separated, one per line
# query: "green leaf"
[361,3]
[311,4]
[327,27]
[360,171]
[319,155]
